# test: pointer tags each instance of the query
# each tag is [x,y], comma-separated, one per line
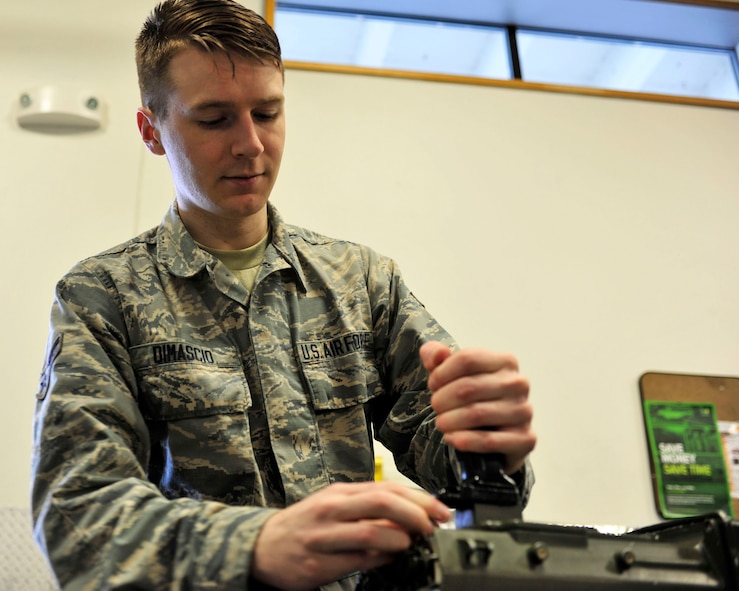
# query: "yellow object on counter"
[378,468]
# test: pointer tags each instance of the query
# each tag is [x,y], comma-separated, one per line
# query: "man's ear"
[146,121]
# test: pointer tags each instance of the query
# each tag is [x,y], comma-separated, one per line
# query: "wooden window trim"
[270,6]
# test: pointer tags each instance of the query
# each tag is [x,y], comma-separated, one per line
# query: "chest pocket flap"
[340,372]
[180,380]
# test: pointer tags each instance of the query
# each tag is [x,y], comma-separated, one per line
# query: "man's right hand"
[342,529]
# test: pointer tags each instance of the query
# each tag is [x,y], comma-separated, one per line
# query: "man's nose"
[246,142]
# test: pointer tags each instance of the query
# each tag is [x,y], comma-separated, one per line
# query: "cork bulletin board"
[719,392]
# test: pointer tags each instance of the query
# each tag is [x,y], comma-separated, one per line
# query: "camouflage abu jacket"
[175,413]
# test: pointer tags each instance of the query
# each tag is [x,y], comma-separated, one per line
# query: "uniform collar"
[283,253]
[181,256]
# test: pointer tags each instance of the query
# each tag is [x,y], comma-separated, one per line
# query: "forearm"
[127,536]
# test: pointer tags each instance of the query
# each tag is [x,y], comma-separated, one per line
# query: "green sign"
[688,457]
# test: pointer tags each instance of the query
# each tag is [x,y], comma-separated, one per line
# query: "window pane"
[627,65]
[393,43]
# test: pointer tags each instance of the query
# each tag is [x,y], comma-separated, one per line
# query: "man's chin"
[241,206]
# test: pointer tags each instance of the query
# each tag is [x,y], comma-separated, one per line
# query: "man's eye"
[211,123]
[266,116]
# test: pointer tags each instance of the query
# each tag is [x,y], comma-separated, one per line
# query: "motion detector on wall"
[52,108]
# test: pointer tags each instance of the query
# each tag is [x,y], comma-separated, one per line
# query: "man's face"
[224,134]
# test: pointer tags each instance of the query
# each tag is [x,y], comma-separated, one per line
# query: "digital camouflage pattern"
[177,412]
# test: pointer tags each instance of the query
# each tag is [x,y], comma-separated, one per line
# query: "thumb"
[433,353]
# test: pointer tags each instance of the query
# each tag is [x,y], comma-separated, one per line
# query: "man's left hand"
[481,401]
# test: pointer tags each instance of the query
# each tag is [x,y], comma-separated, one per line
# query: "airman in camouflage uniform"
[178,410]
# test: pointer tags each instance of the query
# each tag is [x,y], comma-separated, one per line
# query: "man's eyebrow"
[278,98]
[216,104]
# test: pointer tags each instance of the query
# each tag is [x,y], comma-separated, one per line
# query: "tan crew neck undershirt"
[244,264]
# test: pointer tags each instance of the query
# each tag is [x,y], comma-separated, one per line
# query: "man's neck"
[226,233]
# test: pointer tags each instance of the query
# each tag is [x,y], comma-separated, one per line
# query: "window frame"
[516,82]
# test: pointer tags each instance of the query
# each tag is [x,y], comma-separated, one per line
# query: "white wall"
[595,238]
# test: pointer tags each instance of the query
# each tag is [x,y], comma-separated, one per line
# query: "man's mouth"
[241,177]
